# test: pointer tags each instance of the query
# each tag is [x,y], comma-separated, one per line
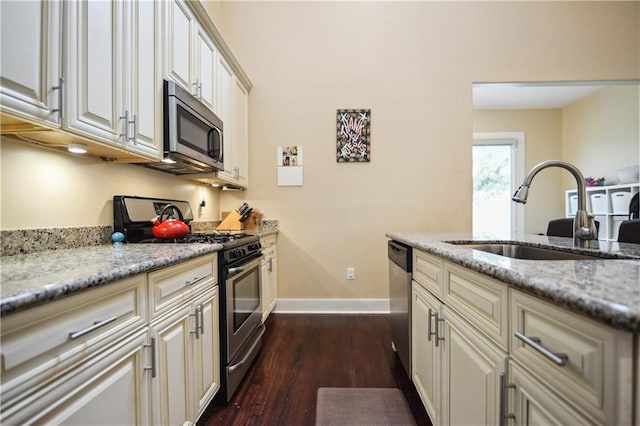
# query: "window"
[498,168]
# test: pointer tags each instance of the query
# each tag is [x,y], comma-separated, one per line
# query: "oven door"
[244,307]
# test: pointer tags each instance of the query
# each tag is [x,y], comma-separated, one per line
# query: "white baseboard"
[332,306]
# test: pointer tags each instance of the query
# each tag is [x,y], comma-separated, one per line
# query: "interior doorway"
[498,168]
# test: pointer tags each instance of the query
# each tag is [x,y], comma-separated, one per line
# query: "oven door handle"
[234,271]
[247,266]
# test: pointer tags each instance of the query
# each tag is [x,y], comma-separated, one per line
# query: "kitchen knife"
[243,208]
[247,214]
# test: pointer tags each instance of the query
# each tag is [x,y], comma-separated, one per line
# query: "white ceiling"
[531,95]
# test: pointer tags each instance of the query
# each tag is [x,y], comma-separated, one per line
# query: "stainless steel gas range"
[241,327]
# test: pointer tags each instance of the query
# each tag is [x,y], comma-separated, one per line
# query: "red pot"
[170,228]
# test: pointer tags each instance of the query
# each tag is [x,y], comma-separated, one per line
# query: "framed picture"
[353,136]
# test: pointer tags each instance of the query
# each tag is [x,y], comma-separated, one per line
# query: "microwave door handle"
[210,144]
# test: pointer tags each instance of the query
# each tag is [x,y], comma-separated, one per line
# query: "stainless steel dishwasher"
[400,258]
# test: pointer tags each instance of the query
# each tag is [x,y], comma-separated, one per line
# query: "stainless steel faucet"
[584,227]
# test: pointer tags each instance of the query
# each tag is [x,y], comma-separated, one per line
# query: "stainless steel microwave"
[193,134]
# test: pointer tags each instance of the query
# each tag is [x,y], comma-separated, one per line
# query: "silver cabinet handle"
[96,325]
[135,129]
[195,86]
[152,345]
[197,329]
[534,342]
[201,310]
[429,333]
[503,400]
[59,87]
[438,321]
[125,117]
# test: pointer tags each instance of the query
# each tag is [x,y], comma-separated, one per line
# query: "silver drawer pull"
[534,342]
[195,280]
[96,325]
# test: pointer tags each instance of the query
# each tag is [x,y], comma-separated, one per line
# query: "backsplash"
[25,241]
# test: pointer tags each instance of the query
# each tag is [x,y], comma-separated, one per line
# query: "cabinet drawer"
[171,286]
[480,300]
[45,341]
[427,271]
[596,375]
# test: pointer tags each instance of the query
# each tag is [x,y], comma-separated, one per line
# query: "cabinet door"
[30,52]
[273,281]
[265,278]
[172,386]
[94,56]
[179,32]
[242,133]
[533,404]
[225,112]
[110,388]
[205,57]
[472,367]
[144,93]
[207,350]
[425,355]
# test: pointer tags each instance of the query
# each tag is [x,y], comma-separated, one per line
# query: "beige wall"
[543,141]
[600,133]
[413,64]
[42,188]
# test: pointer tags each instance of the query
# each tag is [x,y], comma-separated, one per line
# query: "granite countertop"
[604,289]
[31,279]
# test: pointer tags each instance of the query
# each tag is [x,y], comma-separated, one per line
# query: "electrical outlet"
[351,273]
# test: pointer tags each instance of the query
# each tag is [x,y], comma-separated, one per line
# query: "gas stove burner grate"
[214,238]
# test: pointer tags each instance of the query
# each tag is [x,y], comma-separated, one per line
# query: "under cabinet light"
[77,148]
[168,160]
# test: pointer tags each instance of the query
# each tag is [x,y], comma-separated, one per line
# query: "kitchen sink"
[520,251]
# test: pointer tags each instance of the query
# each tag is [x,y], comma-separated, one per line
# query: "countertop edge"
[27,299]
[597,309]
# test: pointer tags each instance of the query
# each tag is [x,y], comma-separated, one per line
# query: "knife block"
[230,223]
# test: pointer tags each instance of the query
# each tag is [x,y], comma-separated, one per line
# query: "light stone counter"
[31,279]
[605,289]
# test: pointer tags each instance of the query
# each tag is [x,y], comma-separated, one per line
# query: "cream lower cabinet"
[532,403]
[185,306]
[507,358]
[269,276]
[187,360]
[79,360]
[93,358]
[426,357]
[471,367]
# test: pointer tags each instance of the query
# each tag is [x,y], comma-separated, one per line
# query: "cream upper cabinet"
[144,93]
[94,70]
[204,82]
[226,113]
[241,154]
[30,68]
[112,88]
[233,107]
[191,53]
[179,27]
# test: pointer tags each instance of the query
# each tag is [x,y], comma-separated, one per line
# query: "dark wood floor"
[302,353]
